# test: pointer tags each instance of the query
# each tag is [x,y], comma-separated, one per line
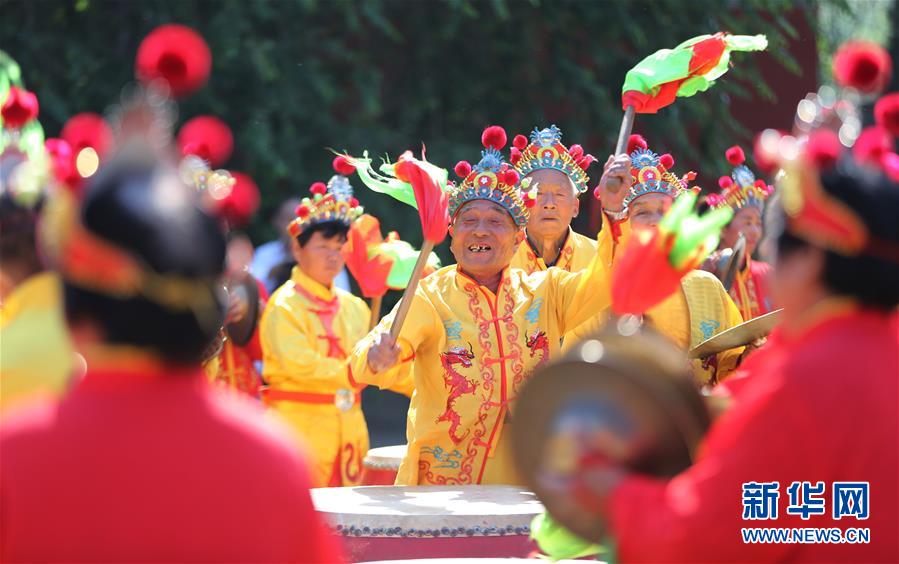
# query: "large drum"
[381,464]
[403,522]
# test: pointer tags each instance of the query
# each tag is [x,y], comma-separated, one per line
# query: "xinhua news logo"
[847,500]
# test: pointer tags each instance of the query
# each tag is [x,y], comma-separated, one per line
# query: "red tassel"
[207,137]
[177,54]
[863,65]
[520,142]
[462,169]
[586,161]
[343,166]
[886,113]
[494,136]
[735,155]
[725,182]
[318,188]
[667,161]
[635,142]
[19,108]
[432,201]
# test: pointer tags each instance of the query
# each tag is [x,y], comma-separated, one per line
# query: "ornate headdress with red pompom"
[740,189]
[333,201]
[652,174]
[492,179]
[546,151]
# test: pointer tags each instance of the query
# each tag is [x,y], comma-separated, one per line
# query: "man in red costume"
[143,461]
[811,439]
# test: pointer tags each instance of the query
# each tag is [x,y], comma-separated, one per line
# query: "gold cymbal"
[737,336]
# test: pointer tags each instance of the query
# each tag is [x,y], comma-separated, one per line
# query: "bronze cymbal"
[737,336]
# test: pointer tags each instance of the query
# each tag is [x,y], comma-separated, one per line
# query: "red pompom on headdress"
[241,202]
[725,182]
[319,188]
[886,113]
[19,108]
[873,143]
[735,155]
[823,149]
[88,130]
[510,177]
[635,142]
[176,54]
[343,166]
[494,136]
[666,161]
[301,211]
[462,169]
[890,165]
[207,137]
[514,156]
[863,65]
[520,142]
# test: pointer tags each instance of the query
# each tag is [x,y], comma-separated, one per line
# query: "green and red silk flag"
[654,261]
[380,264]
[689,68]
[415,182]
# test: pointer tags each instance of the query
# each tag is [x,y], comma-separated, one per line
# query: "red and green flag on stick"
[380,264]
[691,67]
[667,74]
[423,186]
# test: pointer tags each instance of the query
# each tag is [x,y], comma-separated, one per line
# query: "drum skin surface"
[405,522]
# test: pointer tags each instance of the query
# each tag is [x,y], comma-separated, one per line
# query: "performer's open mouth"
[480,248]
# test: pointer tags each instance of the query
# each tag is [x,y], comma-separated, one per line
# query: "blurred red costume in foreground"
[803,394]
[144,463]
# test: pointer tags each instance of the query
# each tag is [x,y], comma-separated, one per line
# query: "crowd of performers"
[153,443]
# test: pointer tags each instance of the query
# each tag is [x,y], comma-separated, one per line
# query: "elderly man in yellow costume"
[702,308]
[559,174]
[475,332]
[307,330]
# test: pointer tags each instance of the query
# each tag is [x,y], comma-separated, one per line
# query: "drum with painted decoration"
[381,464]
[404,522]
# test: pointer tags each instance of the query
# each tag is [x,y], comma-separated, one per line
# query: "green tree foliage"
[293,78]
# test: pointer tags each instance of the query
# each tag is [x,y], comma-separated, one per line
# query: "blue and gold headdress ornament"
[651,175]
[333,201]
[493,179]
[546,151]
[741,188]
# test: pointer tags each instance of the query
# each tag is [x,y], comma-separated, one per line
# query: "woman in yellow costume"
[702,308]
[307,330]
[476,331]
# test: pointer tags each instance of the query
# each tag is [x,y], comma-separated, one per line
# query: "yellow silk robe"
[470,352]
[700,310]
[575,254]
[306,331]
[36,355]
